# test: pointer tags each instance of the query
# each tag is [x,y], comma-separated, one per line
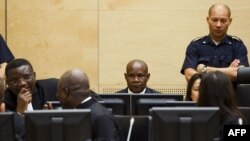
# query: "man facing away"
[216,51]
[73,92]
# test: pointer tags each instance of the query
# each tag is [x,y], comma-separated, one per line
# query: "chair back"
[243,87]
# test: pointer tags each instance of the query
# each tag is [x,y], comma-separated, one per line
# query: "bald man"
[73,92]
[137,77]
[216,51]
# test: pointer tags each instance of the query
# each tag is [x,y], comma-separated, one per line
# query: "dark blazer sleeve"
[106,129]
[51,90]
[46,91]
[5,53]
[10,100]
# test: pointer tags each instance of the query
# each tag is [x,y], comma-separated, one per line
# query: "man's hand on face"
[24,97]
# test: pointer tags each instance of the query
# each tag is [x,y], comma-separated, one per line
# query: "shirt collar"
[142,92]
[208,40]
[86,99]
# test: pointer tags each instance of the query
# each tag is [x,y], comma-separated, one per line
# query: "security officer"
[217,51]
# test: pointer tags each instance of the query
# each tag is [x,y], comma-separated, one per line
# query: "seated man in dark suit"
[18,119]
[73,92]
[137,77]
[24,92]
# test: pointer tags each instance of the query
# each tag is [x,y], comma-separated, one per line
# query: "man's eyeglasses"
[25,77]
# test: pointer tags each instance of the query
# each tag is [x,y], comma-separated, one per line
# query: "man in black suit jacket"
[24,92]
[18,119]
[73,92]
[137,77]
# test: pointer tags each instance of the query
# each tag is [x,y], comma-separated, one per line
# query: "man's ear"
[66,92]
[7,82]
[148,75]
[34,74]
[125,75]
[230,20]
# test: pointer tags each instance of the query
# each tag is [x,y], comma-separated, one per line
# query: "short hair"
[17,63]
[132,62]
[214,5]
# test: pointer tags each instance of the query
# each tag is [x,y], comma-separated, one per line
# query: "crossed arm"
[230,71]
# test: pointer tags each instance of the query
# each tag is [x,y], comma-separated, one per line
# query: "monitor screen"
[136,98]
[143,105]
[7,131]
[184,123]
[119,104]
[55,125]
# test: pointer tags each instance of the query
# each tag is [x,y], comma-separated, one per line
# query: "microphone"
[132,120]
[240,121]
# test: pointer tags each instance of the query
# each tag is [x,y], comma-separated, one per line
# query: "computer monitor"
[119,104]
[246,113]
[55,125]
[7,130]
[143,105]
[184,124]
[136,98]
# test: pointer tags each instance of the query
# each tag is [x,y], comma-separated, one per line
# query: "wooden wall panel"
[101,36]
[157,31]
[240,24]
[166,4]
[55,36]
[148,35]
[2,17]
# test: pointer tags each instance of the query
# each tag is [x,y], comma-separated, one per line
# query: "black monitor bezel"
[143,106]
[7,126]
[47,124]
[174,123]
[120,101]
[167,97]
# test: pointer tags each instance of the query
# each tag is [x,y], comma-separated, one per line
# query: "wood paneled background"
[101,36]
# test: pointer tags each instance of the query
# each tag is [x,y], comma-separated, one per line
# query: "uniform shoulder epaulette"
[198,38]
[235,38]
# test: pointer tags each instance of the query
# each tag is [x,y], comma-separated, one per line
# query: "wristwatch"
[204,69]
